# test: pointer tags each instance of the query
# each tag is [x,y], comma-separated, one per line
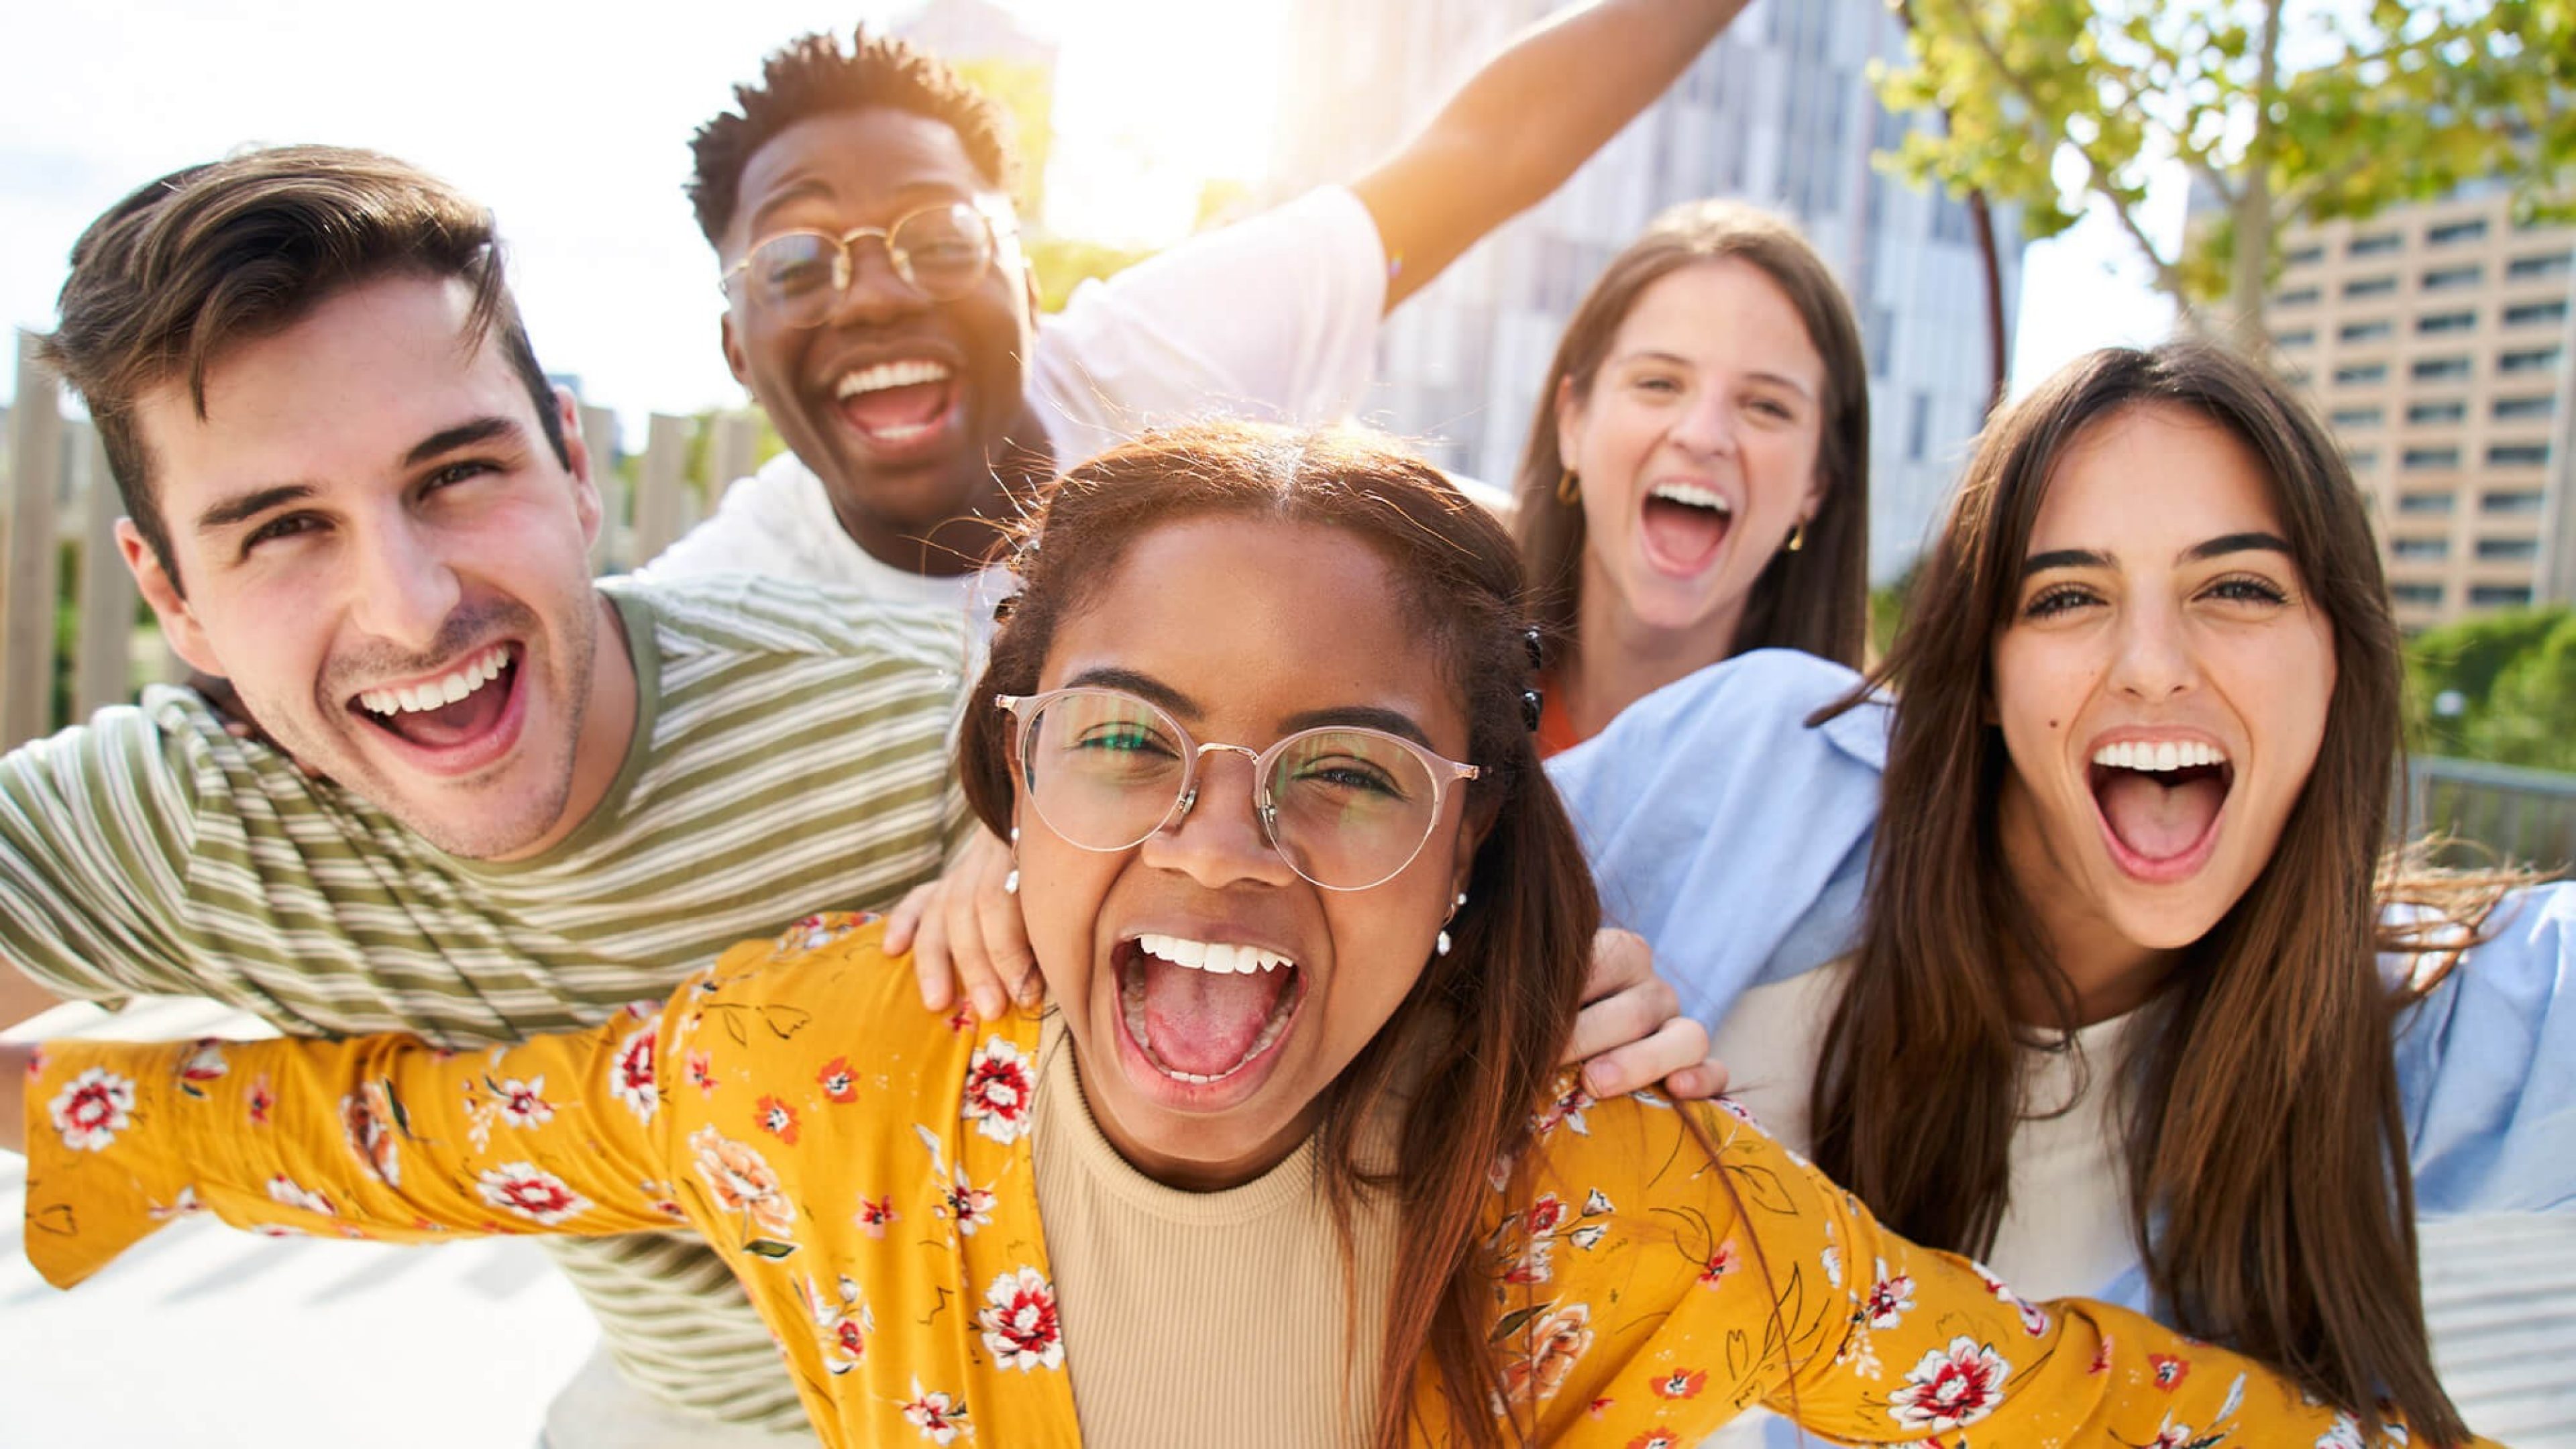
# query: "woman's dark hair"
[2266,1148]
[1479,1038]
[1815,599]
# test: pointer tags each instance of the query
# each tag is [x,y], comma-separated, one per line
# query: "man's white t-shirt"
[1273,318]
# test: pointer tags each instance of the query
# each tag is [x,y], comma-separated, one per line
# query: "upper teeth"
[1692,494]
[2159,755]
[908,373]
[1217,957]
[479,671]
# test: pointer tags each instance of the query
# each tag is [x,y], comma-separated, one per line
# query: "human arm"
[377,1137]
[1522,124]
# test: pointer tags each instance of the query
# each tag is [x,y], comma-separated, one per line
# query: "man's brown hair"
[222,253]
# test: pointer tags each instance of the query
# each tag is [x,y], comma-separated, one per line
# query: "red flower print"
[1654,1439]
[1019,1323]
[844,1326]
[998,1091]
[939,1418]
[960,1020]
[523,1104]
[2034,1319]
[367,1119]
[92,1109]
[285,1192]
[1544,1215]
[201,1066]
[531,1192]
[1541,1353]
[1720,1264]
[2101,1357]
[1566,1111]
[777,1119]
[702,1073]
[970,1206]
[1681,1384]
[631,1079]
[35,1062]
[1951,1388]
[1601,1406]
[262,1100]
[874,1216]
[1532,1266]
[837,1080]
[1890,1299]
[2170,1371]
[743,1182]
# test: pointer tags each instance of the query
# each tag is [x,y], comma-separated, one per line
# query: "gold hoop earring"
[1569,489]
[1797,537]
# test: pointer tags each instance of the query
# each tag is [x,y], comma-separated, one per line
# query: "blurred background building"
[2436,340]
[1779,112]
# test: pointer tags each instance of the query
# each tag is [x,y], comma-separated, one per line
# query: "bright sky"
[572,122]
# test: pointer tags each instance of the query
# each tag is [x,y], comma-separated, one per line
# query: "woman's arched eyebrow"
[1144,686]
[2227,543]
[2067,558]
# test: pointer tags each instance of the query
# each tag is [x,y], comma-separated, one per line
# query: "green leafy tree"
[1061,263]
[2339,110]
[2510,679]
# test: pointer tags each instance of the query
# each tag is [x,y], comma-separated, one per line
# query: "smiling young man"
[501,799]
[880,310]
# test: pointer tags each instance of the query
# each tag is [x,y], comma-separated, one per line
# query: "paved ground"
[210,1339]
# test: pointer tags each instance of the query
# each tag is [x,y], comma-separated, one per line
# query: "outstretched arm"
[1523,124]
[372,1137]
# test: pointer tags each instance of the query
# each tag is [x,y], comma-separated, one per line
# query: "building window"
[2367,331]
[2432,457]
[2437,412]
[2519,500]
[2530,359]
[2508,550]
[2427,595]
[1882,340]
[2423,503]
[2358,417]
[2369,287]
[1918,429]
[2296,297]
[2547,264]
[2509,408]
[2362,460]
[2299,338]
[2306,256]
[2449,277]
[2517,455]
[2457,231]
[2367,372]
[2530,313]
[2435,369]
[2500,596]
[2421,548]
[2372,246]
[2433,323]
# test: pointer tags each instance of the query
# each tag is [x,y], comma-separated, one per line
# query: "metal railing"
[2524,816]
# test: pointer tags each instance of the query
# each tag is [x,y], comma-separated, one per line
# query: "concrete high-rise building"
[1778,112]
[2437,340]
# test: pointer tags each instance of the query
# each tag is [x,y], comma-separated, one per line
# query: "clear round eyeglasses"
[939,251]
[1348,808]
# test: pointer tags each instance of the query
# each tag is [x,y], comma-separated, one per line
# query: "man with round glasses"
[878,306]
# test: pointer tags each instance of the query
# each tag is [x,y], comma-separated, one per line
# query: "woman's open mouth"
[2160,803]
[1683,526]
[1204,1014]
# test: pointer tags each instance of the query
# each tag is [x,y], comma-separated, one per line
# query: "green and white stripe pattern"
[791,755]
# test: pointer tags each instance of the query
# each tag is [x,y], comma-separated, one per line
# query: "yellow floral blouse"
[863,1167]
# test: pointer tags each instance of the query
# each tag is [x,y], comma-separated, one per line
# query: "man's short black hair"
[813,75]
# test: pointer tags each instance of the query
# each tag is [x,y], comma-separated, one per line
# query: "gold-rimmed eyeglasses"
[939,251]
[1347,807]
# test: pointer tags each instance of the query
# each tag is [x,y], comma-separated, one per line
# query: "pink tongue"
[2156,821]
[1198,1021]
[456,723]
[1681,536]
[897,407]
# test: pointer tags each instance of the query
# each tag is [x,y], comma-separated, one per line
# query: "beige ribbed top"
[1197,1318]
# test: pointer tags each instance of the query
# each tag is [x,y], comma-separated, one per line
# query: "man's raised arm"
[1521,125]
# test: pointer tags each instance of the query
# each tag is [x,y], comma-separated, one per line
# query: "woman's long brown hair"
[2266,1148]
[1816,599]
[1479,1038]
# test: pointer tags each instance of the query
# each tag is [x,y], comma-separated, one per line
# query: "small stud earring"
[1011,882]
[1569,489]
[1797,537]
[1440,946]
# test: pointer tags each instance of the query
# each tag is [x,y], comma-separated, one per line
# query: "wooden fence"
[58,510]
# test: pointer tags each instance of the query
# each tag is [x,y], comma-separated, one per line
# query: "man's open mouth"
[1684,525]
[899,403]
[452,709]
[2160,801]
[1202,1011]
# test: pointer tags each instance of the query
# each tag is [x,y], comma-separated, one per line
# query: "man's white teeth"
[2159,757]
[912,372]
[1693,495]
[439,693]
[1218,958]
